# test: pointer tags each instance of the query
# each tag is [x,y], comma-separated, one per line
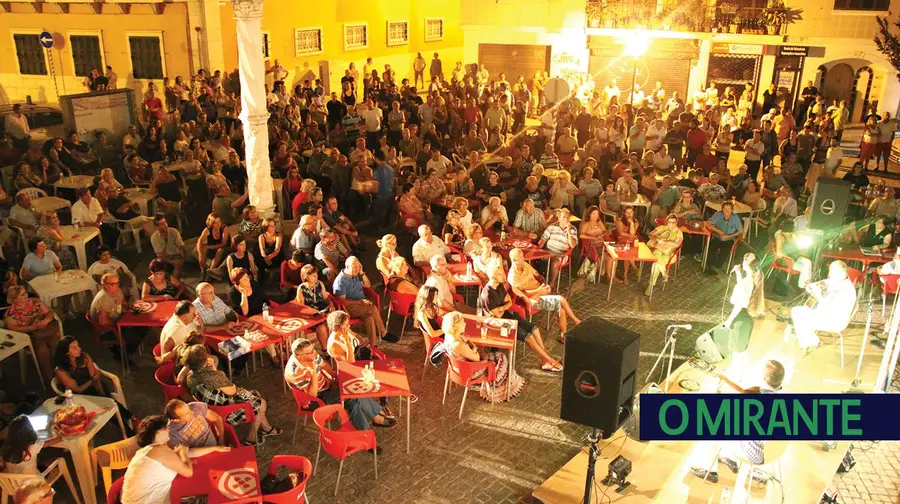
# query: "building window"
[30,54]
[307,41]
[397,33]
[434,30]
[146,57]
[862,5]
[86,54]
[265,45]
[356,36]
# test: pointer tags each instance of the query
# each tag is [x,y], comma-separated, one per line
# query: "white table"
[73,182]
[143,197]
[49,288]
[77,239]
[49,204]
[20,341]
[79,446]
[739,208]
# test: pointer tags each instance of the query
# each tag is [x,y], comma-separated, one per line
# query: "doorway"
[838,83]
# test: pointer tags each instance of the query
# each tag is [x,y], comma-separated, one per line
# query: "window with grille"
[146,57]
[307,41]
[265,45]
[397,33]
[356,36]
[863,5]
[30,54]
[434,30]
[86,54]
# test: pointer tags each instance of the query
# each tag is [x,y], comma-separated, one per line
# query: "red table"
[638,252]
[390,381]
[152,314]
[244,324]
[223,477]
[288,320]
[493,337]
[853,253]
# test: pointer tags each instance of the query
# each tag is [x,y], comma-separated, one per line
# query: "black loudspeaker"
[829,204]
[598,383]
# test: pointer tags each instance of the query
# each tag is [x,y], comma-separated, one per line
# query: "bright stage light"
[636,44]
[804,242]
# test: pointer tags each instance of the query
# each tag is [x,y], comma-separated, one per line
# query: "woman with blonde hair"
[474,233]
[399,281]
[460,347]
[452,233]
[211,245]
[387,251]
[562,190]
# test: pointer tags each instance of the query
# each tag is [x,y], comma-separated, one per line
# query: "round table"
[47,204]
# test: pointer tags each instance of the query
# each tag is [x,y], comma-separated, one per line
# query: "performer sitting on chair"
[835,299]
[751,451]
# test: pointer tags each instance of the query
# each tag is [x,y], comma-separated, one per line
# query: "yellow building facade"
[145,41]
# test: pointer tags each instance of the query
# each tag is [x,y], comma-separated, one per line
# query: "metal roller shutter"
[673,73]
[514,60]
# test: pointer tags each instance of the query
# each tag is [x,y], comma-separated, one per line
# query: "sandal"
[274,431]
[260,440]
[386,412]
[551,368]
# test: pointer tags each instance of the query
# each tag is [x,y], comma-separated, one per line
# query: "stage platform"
[660,469]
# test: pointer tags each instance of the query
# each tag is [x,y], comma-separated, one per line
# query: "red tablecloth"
[245,324]
[290,318]
[390,379]
[853,253]
[160,312]
[225,477]
[494,337]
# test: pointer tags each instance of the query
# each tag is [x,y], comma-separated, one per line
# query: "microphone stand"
[670,344]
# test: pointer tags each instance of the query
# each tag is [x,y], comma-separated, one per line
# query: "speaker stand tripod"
[670,345]
[592,437]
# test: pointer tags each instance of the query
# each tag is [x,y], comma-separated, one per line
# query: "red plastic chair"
[734,246]
[113,496]
[855,276]
[225,411]
[165,377]
[566,260]
[890,284]
[460,372]
[785,264]
[673,261]
[429,344]
[343,442]
[100,330]
[303,399]
[157,350]
[401,304]
[230,436]
[296,464]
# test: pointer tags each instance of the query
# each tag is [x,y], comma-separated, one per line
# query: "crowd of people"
[448,177]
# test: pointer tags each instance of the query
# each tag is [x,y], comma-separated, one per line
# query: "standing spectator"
[373,117]
[437,68]
[16,126]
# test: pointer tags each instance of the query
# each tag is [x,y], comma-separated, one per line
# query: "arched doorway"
[862,86]
[838,82]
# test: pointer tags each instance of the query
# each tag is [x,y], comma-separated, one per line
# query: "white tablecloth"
[48,288]
[77,239]
[79,446]
[20,341]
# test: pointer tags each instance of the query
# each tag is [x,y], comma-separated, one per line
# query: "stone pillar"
[254,116]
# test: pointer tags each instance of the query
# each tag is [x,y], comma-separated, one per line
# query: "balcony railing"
[689,16]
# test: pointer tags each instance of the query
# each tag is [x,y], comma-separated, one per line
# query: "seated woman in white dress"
[148,479]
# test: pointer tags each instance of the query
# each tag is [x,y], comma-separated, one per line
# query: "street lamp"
[636,45]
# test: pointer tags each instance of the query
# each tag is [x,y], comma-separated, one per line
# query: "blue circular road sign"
[46,39]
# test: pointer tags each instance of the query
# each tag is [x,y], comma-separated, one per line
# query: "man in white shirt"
[655,135]
[221,151]
[106,263]
[88,212]
[609,91]
[438,163]
[428,246]
[494,215]
[833,158]
[22,216]
[832,312]
[16,125]
[182,323]
[361,150]
[279,73]
[372,117]
[441,279]
[891,268]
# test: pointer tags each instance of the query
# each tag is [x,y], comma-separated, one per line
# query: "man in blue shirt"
[725,227]
[350,286]
[384,198]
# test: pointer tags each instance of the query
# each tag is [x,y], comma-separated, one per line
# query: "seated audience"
[427,246]
[559,238]
[214,240]
[664,243]
[350,287]
[312,294]
[527,284]
[399,280]
[161,285]
[530,222]
[40,261]
[106,263]
[241,258]
[194,425]
[441,279]
[31,316]
[107,308]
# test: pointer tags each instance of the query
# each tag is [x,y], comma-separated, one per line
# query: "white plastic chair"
[9,483]
[118,394]
[754,218]
[33,192]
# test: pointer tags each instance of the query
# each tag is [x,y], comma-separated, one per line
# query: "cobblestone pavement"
[495,453]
